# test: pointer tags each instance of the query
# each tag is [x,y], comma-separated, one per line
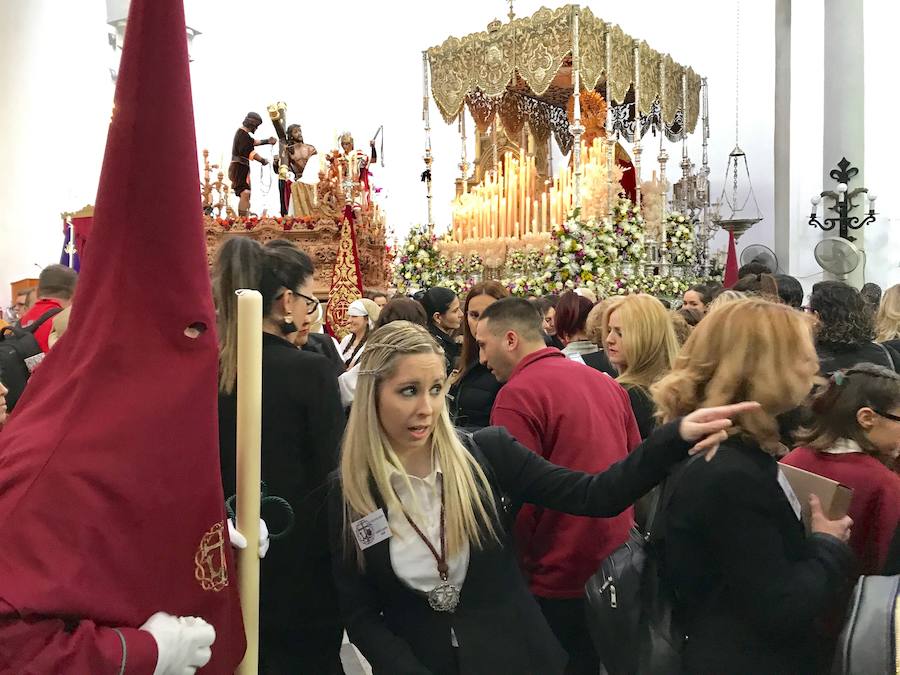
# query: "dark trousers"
[301,650]
[568,622]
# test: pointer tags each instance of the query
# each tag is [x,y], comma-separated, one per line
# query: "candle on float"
[504,218]
[527,218]
[553,209]
[544,213]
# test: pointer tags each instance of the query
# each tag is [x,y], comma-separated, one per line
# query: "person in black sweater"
[749,584]
[302,423]
[423,559]
[846,329]
[444,318]
[472,394]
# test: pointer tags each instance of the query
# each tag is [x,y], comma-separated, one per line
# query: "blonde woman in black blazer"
[477,617]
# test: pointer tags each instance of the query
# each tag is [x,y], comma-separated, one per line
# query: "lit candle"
[544,213]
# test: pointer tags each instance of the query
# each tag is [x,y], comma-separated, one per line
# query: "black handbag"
[630,606]
[869,644]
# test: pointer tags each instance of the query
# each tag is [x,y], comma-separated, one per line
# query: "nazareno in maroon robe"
[111,504]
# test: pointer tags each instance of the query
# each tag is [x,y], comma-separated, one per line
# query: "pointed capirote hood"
[111,503]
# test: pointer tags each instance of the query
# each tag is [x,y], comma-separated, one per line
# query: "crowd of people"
[459,467]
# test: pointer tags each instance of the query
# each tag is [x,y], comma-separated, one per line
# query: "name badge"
[371,529]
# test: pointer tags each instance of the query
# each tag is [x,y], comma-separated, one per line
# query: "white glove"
[238,540]
[182,642]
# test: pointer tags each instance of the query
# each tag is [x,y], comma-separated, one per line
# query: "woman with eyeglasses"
[302,423]
[314,339]
[854,438]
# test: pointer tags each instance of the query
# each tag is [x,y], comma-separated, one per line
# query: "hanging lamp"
[734,213]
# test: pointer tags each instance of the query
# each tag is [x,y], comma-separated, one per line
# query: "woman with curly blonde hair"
[750,584]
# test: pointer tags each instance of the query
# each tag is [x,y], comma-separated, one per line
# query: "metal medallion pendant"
[444,597]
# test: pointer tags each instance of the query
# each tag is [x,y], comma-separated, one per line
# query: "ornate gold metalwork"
[592,45]
[649,78]
[670,73]
[621,64]
[694,84]
[527,55]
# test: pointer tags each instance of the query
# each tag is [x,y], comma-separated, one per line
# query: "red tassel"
[731,263]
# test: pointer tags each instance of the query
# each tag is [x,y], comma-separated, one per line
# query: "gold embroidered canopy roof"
[531,58]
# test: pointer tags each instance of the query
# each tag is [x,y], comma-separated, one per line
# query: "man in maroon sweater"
[573,416]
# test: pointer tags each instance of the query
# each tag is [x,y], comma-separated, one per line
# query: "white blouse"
[343,345]
[411,560]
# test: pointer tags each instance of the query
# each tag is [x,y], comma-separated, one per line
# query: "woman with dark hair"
[846,331]
[444,317]
[758,284]
[691,315]
[472,395]
[789,290]
[302,423]
[402,309]
[547,308]
[854,438]
[697,297]
[361,315]
[572,312]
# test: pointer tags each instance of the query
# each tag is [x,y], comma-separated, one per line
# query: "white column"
[782,139]
[844,101]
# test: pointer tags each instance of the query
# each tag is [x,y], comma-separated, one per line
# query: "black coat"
[472,398]
[750,584]
[323,344]
[302,425]
[498,624]
[833,357]
[644,409]
[449,345]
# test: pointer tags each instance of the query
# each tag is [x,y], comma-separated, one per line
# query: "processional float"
[569,76]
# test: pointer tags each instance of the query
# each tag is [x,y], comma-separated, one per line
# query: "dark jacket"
[833,357]
[644,409]
[472,398]
[302,425]
[750,584]
[498,624]
[323,344]
[600,361]
[450,347]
